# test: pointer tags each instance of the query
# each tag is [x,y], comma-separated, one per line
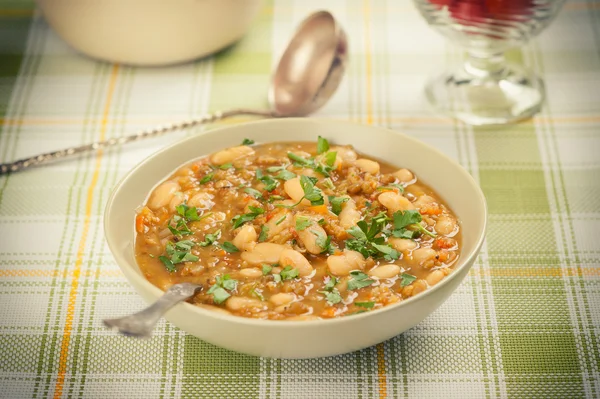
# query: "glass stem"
[485,65]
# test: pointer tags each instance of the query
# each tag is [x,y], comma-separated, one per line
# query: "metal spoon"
[141,324]
[307,75]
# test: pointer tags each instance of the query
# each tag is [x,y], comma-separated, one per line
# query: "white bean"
[177,200]
[296,260]
[349,215]
[394,202]
[264,252]
[404,175]
[424,256]
[163,194]
[282,298]
[275,225]
[366,165]
[293,188]
[445,225]
[231,154]
[346,154]
[342,265]
[308,237]
[434,277]
[202,200]
[251,272]
[242,302]
[402,244]
[424,200]
[246,238]
[385,271]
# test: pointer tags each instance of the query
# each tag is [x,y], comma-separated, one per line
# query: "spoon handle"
[141,324]
[40,159]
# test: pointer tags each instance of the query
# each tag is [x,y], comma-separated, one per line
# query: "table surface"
[525,322]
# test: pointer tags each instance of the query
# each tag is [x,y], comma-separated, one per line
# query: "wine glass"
[485,90]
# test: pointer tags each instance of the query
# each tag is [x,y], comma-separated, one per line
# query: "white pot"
[150,32]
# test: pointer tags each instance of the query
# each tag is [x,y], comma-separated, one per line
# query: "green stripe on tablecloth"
[518,207]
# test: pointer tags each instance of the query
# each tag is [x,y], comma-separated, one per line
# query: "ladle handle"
[40,159]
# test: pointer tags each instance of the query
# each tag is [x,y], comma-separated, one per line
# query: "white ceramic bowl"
[149,32]
[302,339]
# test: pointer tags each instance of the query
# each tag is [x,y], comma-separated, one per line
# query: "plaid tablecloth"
[524,324]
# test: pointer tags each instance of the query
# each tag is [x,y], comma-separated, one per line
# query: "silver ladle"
[306,77]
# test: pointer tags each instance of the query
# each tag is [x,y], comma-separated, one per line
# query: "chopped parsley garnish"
[219,289]
[322,145]
[392,186]
[229,247]
[336,203]
[184,215]
[247,217]
[368,240]
[302,223]
[210,238]
[266,269]
[277,278]
[332,295]
[264,233]
[328,183]
[321,222]
[367,305]
[411,218]
[178,252]
[274,198]
[280,220]
[253,192]
[289,273]
[226,166]
[207,178]
[323,241]
[285,175]
[324,169]
[247,142]
[273,169]
[311,193]
[257,293]
[269,182]
[358,280]
[407,279]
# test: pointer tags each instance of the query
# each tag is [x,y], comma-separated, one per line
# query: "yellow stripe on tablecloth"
[64,349]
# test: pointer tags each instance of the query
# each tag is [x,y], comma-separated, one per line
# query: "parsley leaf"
[264,233]
[285,175]
[267,180]
[219,289]
[367,305]
[330,158]
[289,273]
[302,223]
[332,282]
[266,269]
[323,240]
[332,297]
[407,279]
[247,142]
[168,264]
[255,193]
[311,193]
[328,184]
[322,145]
[247,217]
[358,280]
[299,160]
[390,254]
[280,220]
[229,247]
[207,178]
[336,203]
[210,238]
[226,166]
[411,218]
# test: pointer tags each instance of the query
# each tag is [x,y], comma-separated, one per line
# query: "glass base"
[479,97]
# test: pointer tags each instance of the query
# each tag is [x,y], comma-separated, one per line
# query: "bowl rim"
[464,261]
